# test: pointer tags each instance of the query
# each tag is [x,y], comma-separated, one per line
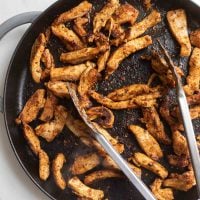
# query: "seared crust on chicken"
[104,15]
[84,191]
[79,26]
[178,161]
[32,139]
[36,55]
[83,8]
[51,129]
[58,88]
[148,144]
[69,73]
[44,165]
[193,79]
[104,116]
[85,54]
[32,107]
[57,166]
[151,165]
[177,20]
[84,163]
[139,28]
[102,60]
[154,125]
[124,51]
[161,193]
[195,38]
[101,175]
[49,107]
[183,182]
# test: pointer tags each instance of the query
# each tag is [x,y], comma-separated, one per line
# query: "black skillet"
[19,86]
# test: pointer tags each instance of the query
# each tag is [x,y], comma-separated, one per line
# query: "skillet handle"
[13,22]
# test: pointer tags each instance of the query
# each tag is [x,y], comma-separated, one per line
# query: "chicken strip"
[80,56]
[193,79]
[183,182]
[57,166]
[84,191]
[58,88]
[82,9]
[160,193]
[69,73]
[102,60]
[31,138]
[178,161]
[84,163]
[147,143]
[141,27]
[149,164]
[44,165]
[148,100]
[177,20]
[147,4]
[49,107]
[124,51]
[51,129]
[154,125]
[195,38]
[79,26]
[32,107]
[87,80]
[101,175]
[68,37]
[104,15]
[104,116]
[131,91]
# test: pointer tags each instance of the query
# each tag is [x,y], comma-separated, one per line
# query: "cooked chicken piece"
[193,79]
[44,165]
[141,27]
[193,99]
[198,141]
[154,125]
[102,60]
[84,191]
[31,138]
[179,144]
[118,146]
[82,9]
[151,165]
[160,193]
[147,143]
[69,73]
[110,164]
[36,55]
[100,39]
[148,100]
[101,175]
[124,51]
[104,116]
[147,4]
[195,38]
[51,129]
[79,26]
[32,107]
[183,182]
[68,37]
[131,91]
[49,107]
[58,88]
[178,161]
[57,166]
[84,163]
[79,56]
[87,80]
[104,15]
[48,61]
[177,20]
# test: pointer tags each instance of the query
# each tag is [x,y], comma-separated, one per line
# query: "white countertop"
[14,183]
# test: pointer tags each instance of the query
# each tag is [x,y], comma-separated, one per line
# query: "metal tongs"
[187,122]
[117,158]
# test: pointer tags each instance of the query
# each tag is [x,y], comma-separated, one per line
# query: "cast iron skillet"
[19,87]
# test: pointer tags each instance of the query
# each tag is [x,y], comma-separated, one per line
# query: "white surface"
[14,183]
